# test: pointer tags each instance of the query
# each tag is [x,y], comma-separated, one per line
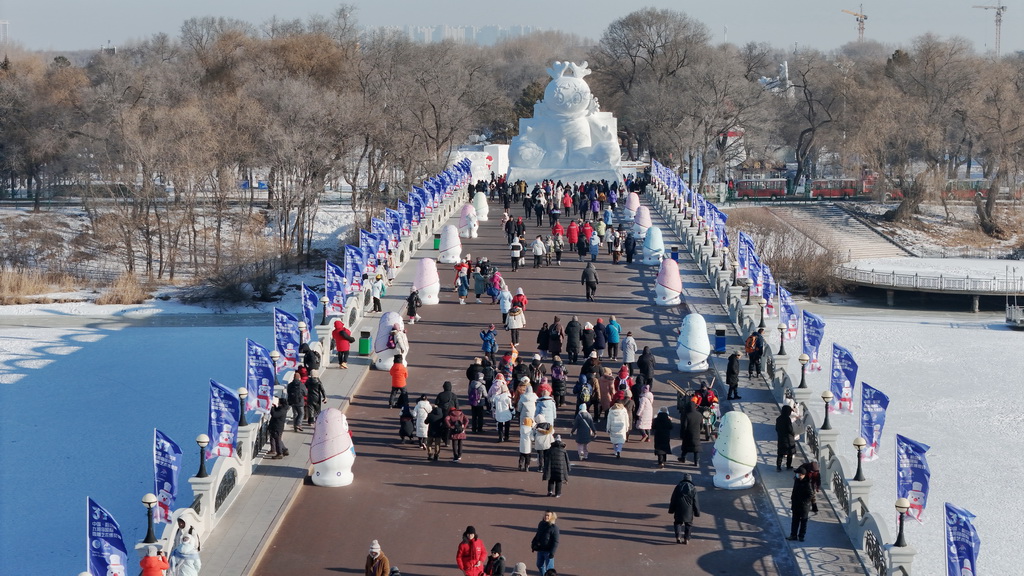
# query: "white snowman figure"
[642,221]
[965,569]
[654,247]
[164,499]
[114,566]
[225,442]
[668,288]
[917,501]
[427,282]
[481,207]
[468,222]
[263,389]
[331,451]
[846,397]
[693,345]
[451,245]
[632,203]
[384,355]
[735,453]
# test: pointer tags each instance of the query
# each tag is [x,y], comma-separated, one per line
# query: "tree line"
[155,137]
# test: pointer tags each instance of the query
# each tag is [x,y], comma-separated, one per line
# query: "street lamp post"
[203,441]
[902,505]
[803,359]
[725,259]
[243,393]
[302,332]
[859,443]
[149,501]
[325,301]
[750,290]
[782,339]
[827,396]
[274,357]
[763,304]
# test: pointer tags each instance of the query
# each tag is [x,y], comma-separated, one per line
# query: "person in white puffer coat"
[420,412]
[617,426]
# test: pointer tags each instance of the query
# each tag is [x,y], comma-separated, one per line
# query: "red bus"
[836,188]
[761,188]
[966,189]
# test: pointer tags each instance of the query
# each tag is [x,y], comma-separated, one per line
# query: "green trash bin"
[437,241]
[365,343]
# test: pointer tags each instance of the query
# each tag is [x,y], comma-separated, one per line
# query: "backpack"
[458,427]
[558,372]
[585,392]
[391,341]
[750,345]
[316,360]
[474,394]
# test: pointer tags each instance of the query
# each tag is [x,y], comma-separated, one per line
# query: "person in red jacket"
[472,553]
[520,299]
[343,340]
[154,563]
[399,376]
[572,234]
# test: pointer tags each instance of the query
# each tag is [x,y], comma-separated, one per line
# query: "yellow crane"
[999,22]
[861,17]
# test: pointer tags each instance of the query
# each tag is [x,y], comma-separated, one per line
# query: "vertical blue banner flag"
[417,207]
[744,254]
[962,542]
[223,432]
[405,210]
[394,221]
[354,266]
[310,302]
[334,288]
[872,419]
[167,462]
[382,230]
[769,291]
[105,545]
[814,330]
[259,377]
[368,245]
[286,337]
[789,315]
[913,476]
[844,377]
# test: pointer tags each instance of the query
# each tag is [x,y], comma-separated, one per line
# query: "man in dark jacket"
[572,339]
[645,365]
[556,467]
[435,432]
[315,398]
[629,247]
[278,417]
[545,542]
[732,376]
[786,438]
[297,401]
[590,280]
[683,506]
[756,346]
[446,399]
[803,502]
[689,431]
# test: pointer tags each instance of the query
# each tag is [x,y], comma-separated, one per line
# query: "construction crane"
[999,22]
[861,17]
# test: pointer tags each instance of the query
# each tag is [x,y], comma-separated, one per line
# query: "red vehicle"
[966,189]
[836,188]
[761,188]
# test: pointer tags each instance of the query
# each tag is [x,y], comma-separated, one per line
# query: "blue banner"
[259,377]
[405,210]
[744,253]
[354,266]
[223,429]
[769,291]
[789,315]
[913,476]
[368,243]
[962,542]
[334,287]
[394,222]
[844,377]
[310,303]
[167,462]
[105,547]
[814,330]
[286,337]
[872,419]
[417,208]
[381,229]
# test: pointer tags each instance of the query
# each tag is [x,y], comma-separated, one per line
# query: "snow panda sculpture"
[468,226]
[451,245]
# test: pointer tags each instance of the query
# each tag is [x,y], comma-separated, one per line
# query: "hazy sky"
[79,24]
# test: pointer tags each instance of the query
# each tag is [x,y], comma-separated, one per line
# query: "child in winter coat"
[407,424]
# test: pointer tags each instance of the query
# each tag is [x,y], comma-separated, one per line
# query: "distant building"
[483,35]
[4,34]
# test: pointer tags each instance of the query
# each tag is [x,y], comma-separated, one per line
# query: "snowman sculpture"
[668,288]
[632,203]
[735,453]
[642,221]
[654,247]
[383,352]
[468,225]
[331,451]
[693,345]
[451,245]
[481,207]
[427,282]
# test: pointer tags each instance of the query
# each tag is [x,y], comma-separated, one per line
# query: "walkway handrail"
[942,283]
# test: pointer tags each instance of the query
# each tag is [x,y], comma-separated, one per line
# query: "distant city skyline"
[63,25]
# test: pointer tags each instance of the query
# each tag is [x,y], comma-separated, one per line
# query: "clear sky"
[81,24]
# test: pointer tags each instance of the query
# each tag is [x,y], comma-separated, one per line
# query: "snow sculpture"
[427,281]
[568,138]
[331,451]
[632,203]
[481,207]
[384,357]
[669,287]
[693,345]
[654,247]
[451,246]
[468,222]
[735,453]
[642,221]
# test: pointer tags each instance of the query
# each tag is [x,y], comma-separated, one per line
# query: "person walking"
[184,559]
[471,554]
[154,563]
[629,247]
[600,338]
[802,503]
[629,352]
[297,401]
[754,347]
[786,435]
[645,413]
[316,397]
[662,429]
[435,432]
[545,542]
[504,304]
[613,333]
[495,562]
[376,291]
[539,248]
[456,423]
[689,432]
[543,438]
[501,404]
[514,322]
[556,467]
[412,305]
[377,563]
[684,507]
[399,377]
[343,340]
[556,337]
[617,427]
[278,417]
[573,330]
[645,365]
[489,336]
[477,398]
[420,413]
[590,280]
[515,252]
[732,376]
[584,431]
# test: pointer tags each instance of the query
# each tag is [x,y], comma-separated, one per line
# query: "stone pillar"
[204,487]
[860,490]
[890,297]
[974,303]
[246,436]
[826,438]
[901,558]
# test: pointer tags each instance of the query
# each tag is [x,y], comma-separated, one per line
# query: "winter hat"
[588,326]
[593,354]
[520,569]
[496,549]
[469,530]
[536,356]
[374,546]
[557,358]
[582,408]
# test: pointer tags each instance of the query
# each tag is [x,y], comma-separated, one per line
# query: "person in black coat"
[645,365]
[412,305]
[589,279]
[316,396]
[446,399]
[545,542]
[662,428]
[684,508]
[556,467]
[786,437]
[803,502]
[297,401]
[278,417]
[689,432]
[572,339]
[435,432]
[732,376]
[629,247]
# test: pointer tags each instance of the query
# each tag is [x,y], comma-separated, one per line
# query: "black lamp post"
[859,443]
[782,339]
[827,397]
[302,332]
[274,357]
[325,301]
[902,505]
[203,441]
[763,304]
[242,394]
[803,359]
[149,501]
[750,289]
[725,258]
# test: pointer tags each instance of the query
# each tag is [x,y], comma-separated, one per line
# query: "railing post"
[901,559]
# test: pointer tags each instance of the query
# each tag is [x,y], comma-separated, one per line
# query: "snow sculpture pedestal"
[693,345]
[735,453]
[428,282]
[654,247]
[331,450]
[451,245]
[668,288]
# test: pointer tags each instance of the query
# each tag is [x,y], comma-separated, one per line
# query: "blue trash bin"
[719,338]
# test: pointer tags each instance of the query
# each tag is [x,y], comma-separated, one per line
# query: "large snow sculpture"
[383,355]
[451,245]
[632,203]
[735,453]
[427,281]
[669,286]
[331,451]
[693,345]
[468,222]
[654,247]
[481,207]
[568,138]
[642,221]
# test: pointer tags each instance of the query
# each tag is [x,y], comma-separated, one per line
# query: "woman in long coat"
[555,337]
[556,468]
[683,507]
[645,413]
[600,338]
[423,408]
[543,338]
[689,432]
[584,430]
[617,427]
[606,389]
[572,339]
[587,338]
[786,438]
[662,428]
